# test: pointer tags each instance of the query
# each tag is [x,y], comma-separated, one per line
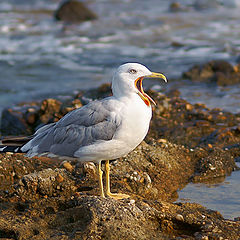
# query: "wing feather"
[81,127]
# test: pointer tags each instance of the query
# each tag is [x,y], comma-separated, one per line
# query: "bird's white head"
[128,80]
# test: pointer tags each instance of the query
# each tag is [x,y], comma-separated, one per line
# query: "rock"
[204,4]
[19,120]
[49,111]
[59,178]
[47,182]
[67,165]
[91,217]
[218,71]
[73,11]
[177,7]
[24,119]
[218,163]
[13,123]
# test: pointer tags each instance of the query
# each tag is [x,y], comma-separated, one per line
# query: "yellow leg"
[100,173]
[108,192]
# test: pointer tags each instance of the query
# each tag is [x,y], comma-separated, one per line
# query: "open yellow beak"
[157,75]
[138,84]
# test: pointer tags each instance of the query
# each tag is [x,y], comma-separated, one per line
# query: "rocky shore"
[42,198]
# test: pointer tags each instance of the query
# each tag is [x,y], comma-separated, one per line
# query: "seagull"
[102,130]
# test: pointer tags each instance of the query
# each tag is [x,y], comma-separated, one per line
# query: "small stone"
[9,153]
[179,217]
[161,140]
[199,236]
[132,201]
[147,179]
[189,107]
[89,168]
[210,145]
[59,178]
[67,166]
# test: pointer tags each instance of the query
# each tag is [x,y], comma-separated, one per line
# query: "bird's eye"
[133,71]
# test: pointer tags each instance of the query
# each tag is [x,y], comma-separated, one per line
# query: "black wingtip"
[13,149]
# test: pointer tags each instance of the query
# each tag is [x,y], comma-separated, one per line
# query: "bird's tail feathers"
[13,144]
[13,149]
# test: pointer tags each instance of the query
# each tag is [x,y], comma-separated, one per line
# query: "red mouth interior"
[138,84]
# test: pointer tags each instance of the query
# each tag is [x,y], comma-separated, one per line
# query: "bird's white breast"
[136,116]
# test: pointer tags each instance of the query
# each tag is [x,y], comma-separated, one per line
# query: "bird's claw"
[117,196]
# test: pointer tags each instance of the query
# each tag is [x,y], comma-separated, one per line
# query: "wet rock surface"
[49,199]
[73,12]
[218,71]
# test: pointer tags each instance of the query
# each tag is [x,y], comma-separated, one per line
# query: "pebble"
[132,201]
[199,236]
[59,178]
[189,107]
[89,167]
[147,178]
[67,166]
[162,140]
[9,153]
[179,217]
[215,229]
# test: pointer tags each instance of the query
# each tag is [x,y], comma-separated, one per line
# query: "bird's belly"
[134,127]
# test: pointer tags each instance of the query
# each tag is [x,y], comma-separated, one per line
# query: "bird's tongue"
[138,84]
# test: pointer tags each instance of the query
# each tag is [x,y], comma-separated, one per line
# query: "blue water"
[40,57]
[223,197]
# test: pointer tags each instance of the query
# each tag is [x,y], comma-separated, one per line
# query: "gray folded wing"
[79,128]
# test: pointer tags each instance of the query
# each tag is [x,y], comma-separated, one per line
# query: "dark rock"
[205,4]
[218,71]
[74,11]
[192,125]
[177,7]
[14,123]
[218,163]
